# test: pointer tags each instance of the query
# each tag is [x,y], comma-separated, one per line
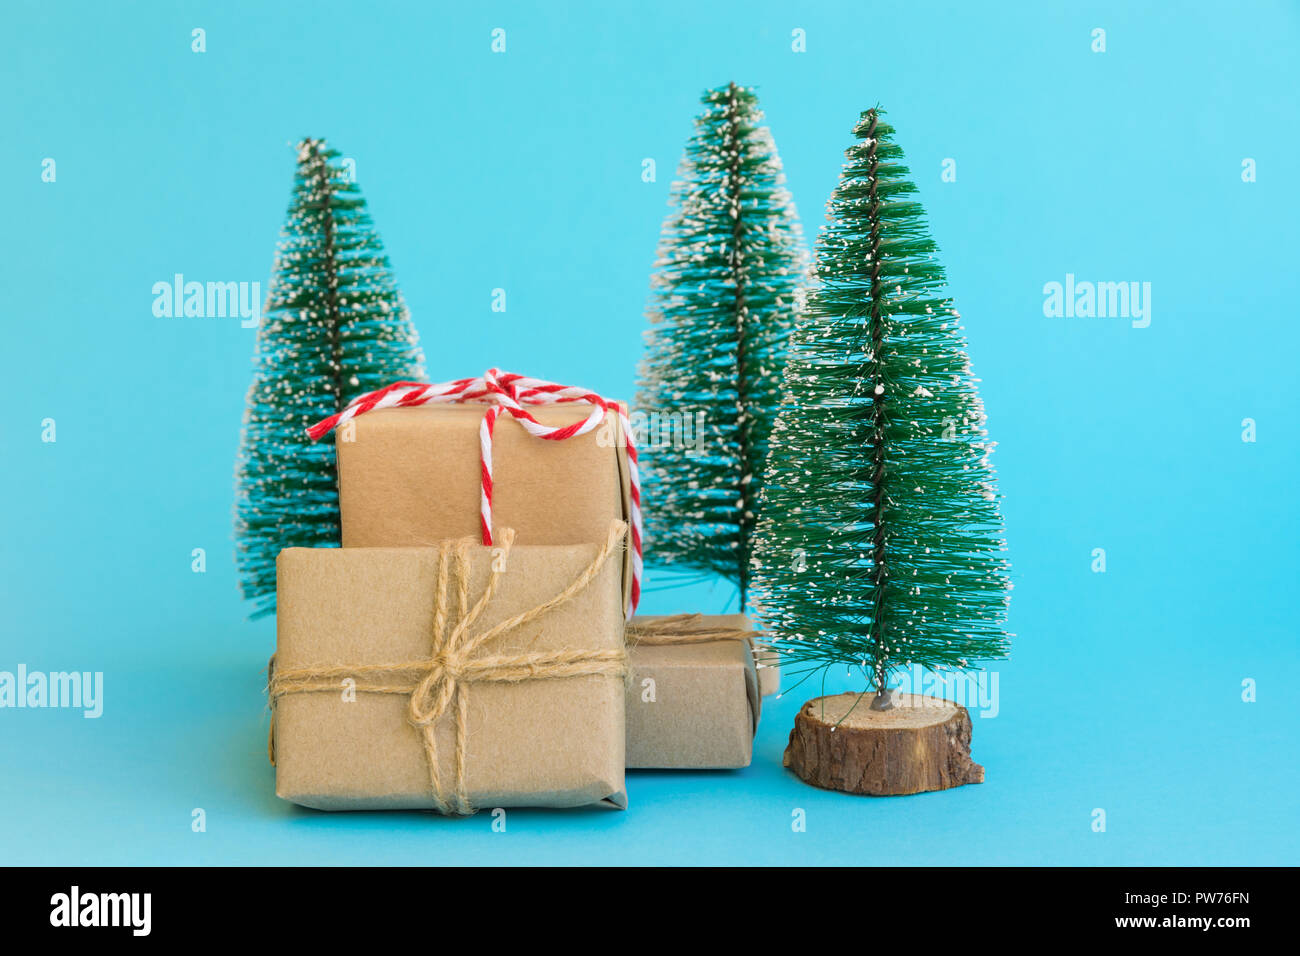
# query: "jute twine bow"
[436,685]
[685,629]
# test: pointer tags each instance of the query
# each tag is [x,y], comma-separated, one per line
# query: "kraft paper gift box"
[394,686]
[412,476]
[693,699]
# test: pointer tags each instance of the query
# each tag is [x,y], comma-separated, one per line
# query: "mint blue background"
[523,171]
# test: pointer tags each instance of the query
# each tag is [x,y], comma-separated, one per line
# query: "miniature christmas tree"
[731,264]
[335,326]
[881,541]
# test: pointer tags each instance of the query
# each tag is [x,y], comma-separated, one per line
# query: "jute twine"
[685,629]
[435,685]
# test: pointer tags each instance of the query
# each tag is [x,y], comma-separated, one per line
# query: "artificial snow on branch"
[730,271]
[335,326]
[880,543]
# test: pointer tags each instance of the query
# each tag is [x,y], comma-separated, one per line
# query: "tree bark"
[922,743]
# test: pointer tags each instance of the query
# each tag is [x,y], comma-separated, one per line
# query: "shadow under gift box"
[541,742]
[692,706]
[412,477]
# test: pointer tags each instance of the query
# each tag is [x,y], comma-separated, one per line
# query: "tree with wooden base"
[880,544]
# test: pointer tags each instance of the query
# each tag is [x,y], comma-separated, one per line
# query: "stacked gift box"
[470,644]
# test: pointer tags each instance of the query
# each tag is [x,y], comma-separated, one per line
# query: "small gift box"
[450,678]
[418,464]
[693,700]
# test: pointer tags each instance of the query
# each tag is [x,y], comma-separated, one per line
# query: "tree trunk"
[922,743]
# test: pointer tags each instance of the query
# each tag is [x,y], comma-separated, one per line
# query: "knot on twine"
[432,696]
[435,686]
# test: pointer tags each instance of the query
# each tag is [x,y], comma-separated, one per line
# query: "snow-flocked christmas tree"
[335,326]
[881,543]
[730,269]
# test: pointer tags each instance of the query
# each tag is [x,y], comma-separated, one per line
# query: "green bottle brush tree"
[880,545]
[335,326]
[731,266]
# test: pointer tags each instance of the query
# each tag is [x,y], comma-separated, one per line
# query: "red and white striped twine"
[505,391]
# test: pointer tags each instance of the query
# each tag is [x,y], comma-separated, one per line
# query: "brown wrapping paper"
[411,477]
[692,705]
[768,663]
[553,742]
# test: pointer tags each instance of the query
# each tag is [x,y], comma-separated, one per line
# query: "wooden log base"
[922,743]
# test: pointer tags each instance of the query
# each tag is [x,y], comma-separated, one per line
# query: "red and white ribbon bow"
[505,391]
